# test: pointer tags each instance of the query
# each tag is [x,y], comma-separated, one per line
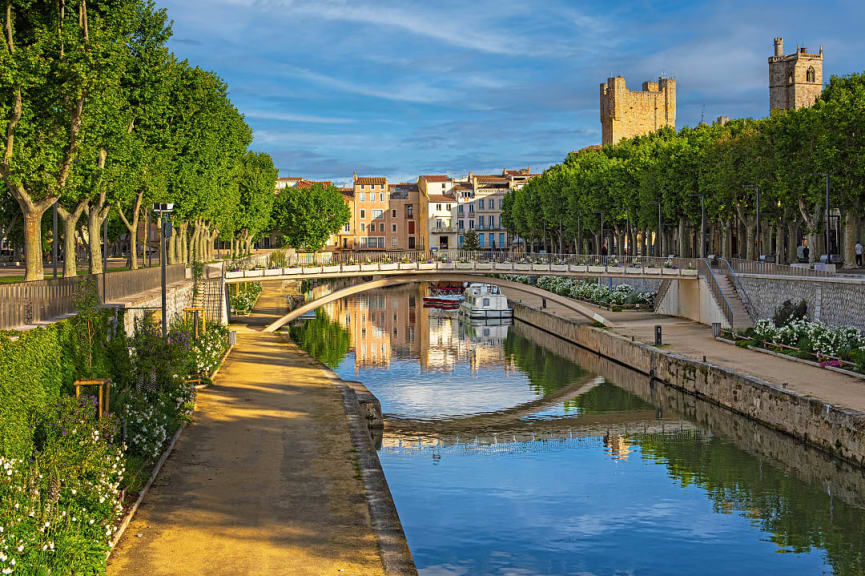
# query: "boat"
[484,301]
[443,296]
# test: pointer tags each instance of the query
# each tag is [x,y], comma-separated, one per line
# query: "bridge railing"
[717,293]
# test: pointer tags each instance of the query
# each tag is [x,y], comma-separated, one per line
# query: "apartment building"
[405,218]
[371,213]
[479,207]
[438,205]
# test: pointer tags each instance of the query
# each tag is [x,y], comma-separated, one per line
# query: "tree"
[257,182]
[470,241]
[307,217]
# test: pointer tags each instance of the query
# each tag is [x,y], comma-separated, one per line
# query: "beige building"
[437,204]
[795,80]
[625,113]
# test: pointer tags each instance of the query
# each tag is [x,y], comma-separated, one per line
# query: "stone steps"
[741,319]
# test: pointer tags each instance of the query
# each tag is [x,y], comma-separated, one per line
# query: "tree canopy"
[307,217]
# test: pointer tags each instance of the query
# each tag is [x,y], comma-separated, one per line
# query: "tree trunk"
[95,220]
[70,223]
[682,239]
[792,241]
[172,247]
[812,222]
[132,227]
[849,252]
[146,240]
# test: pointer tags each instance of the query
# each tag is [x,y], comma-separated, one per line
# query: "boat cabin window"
[486,301]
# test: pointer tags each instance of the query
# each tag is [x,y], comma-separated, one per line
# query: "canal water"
[511,452]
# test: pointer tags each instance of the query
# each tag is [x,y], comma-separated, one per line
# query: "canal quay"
[505,448]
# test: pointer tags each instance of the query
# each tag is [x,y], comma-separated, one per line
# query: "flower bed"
[245,299]
[622,296]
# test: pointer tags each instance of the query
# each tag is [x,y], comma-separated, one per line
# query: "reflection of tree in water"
[546,371]
[325,340]
[608,397]
[798,515]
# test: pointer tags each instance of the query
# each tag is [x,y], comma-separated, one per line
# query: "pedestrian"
[806,252]
[859,252]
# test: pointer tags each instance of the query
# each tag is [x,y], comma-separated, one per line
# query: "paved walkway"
[264,480]
[695,340]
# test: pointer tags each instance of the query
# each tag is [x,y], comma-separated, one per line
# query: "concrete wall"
[834,301]
[179,296]
[692,300]
[838,431]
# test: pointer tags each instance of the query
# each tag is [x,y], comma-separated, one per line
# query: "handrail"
[743,295]
[717,292]
[662,293]
[773,269]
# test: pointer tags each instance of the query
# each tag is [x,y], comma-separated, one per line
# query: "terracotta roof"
[463,186]
[370,180]
[288,179]
[441,198]
[435,177]
[310,183]
[347,192]
[490,178]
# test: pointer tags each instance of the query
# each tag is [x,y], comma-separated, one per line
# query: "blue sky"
[401,88]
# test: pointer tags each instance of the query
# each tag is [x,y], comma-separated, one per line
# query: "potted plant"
[559,265]
[524,265]
[312,268]
[446,264]
[597,267]
[407,264]
[429,264]
[483,265]
[504,265]
[465,264]
[369,266]
[634,268]
[690,270]
[351,266]
[387,264]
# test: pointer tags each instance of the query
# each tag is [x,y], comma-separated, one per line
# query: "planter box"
[465,265]
[292,270]
[351,267]
[369,267]
[653,270]
[597,269]
[688,272]
[388,266]
[578,267]
[632,270]
[330,269]
[616,269]
[670,272]
[273,272]
[541,267]
[408,265]
[236,274]
[312,269]
[504,266]
[426,265]
[559,267]
[446,265]
[483,266]
[523,267]
[253,273]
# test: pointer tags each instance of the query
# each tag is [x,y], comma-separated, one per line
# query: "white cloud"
[283,117]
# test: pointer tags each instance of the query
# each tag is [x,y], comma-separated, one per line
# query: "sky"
[402,88]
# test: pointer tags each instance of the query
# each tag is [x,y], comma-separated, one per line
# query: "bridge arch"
[410,278]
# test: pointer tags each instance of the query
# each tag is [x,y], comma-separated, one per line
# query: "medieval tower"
[795,80]
[625,114]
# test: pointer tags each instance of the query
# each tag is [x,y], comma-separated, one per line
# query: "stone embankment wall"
[833,301]
[836,430]
[179,296]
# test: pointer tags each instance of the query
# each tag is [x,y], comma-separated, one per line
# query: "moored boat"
[485,301]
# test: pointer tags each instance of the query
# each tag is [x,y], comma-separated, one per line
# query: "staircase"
[741,318]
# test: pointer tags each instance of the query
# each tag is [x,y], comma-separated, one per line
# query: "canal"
[510,451]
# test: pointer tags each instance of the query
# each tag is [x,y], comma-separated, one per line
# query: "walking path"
[264,481]
[695,340]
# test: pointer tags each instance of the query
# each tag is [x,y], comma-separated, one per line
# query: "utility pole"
[164,233]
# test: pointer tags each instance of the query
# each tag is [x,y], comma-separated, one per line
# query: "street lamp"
[164,233]
[828,251]
[702,197]
[757,188]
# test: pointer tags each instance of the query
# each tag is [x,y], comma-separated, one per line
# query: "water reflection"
[522,454]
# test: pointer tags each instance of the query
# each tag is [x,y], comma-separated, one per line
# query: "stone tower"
[795,80]
[625,114]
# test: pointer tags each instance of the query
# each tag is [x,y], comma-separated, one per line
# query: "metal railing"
[27,303]
[740,290]
[662,293]
[772,269]
[706,271]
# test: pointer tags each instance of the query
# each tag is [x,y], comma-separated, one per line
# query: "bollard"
[543,302]
[716,329]
[232,338]
[658,339]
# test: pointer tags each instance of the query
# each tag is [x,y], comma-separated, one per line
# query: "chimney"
[779,46]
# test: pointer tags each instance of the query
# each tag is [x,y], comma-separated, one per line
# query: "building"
[795,80]
[438,206]
[370,215]
[625,113]
[345,238]
[405,218]
[479,206]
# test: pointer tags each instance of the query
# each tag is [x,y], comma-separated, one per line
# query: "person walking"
[806,253]
[859,251]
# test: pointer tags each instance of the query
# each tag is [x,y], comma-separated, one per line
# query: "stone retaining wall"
[836,303]
[836,430]
[179,296]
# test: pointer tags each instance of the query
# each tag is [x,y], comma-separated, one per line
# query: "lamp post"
[702,223]
[757,188]
[828,251]
[164,233]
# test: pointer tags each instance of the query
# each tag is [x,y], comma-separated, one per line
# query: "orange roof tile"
[441,198]
[435,177]
[370,180]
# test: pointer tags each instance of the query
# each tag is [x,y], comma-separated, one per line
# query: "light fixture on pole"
[164,233]
[828,251]
[757,188]
[702,197]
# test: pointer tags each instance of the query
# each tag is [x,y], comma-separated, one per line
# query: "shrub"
[206,351]
[789,312]
[59,506]
[277,259]
[146,419]
[245,299]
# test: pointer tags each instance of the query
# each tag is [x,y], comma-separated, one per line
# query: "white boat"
[485,301]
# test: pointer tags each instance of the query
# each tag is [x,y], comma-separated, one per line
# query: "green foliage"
[788,312]
[277,259]
[324,339]
[246,297]
[306,218]
[470,241]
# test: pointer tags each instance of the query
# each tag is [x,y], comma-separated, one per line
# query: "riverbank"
[266,480]
[822,408]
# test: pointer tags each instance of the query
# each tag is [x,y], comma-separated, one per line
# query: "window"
[810,75]
[345,242]
[462,224]
[481,240]
[472,208]
[438,224]
[480,221]
[393,213]
[376,213]
[486,301]
[411,243]
[393,227]
[363,213]
[393,242]
[461,238]
[361,186]
[448,207]
[409,210]
[438,207]
[460,209]
[362,227]
[481,204]
[471,224]
[501,239]
[361,196]
[381,186]
[381,227]
[381,196]
[443,185]
[347,228]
